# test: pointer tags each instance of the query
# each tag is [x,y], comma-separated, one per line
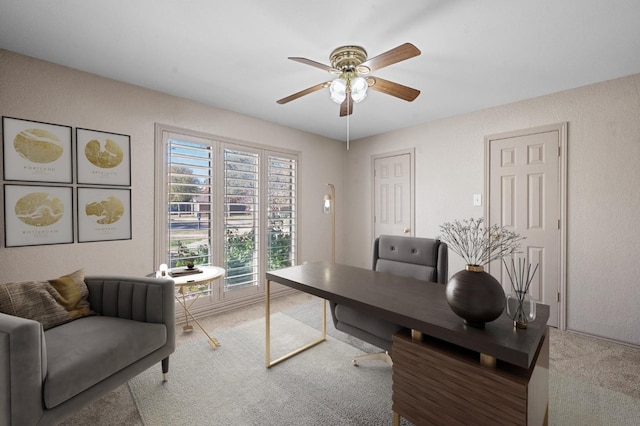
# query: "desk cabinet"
[438,383]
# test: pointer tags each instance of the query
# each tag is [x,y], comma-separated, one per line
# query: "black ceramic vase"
[475,296]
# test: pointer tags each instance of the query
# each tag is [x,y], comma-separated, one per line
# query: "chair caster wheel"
[354,362]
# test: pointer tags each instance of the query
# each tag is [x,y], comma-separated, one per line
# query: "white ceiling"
[233,54]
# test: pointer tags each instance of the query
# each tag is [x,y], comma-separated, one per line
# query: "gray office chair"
[420,258]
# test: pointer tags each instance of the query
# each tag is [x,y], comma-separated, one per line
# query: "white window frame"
[218,300]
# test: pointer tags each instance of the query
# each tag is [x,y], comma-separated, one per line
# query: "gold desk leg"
[267,320]
[546,417]
[416,335]
[487,360]
[268,362]
[396,419]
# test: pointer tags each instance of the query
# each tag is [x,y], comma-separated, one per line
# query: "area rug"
[231,386]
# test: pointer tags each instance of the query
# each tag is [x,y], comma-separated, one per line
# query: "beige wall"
[603,235]
[603,176]
[41,91]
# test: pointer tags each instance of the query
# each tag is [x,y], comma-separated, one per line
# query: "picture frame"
[36,151]
[103,158]
[104,214]
[36,215]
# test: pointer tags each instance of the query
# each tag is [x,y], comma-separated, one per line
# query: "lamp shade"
[326,207]
[338,90]
[359,88]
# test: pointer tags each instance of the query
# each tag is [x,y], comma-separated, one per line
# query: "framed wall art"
[104,214]
[36,151]
[103,158]
[37,215]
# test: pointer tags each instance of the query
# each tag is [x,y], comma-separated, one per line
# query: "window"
[281,214]
[189,207]
[241,218]
[228,204]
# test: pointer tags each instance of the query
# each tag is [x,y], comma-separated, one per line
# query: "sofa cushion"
[51,303]
[82,353]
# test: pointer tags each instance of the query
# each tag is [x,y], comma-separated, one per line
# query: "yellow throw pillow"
[51,303]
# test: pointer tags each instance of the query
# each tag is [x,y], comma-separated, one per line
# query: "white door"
[525,188]
[393,194]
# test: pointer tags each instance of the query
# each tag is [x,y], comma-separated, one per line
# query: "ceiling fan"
[352,68]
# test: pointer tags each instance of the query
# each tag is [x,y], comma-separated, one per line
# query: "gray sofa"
[45,376]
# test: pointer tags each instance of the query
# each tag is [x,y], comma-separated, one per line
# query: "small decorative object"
[473,294]
[189,265]
[520,308]
[162,271]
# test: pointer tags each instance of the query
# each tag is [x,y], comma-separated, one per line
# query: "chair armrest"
[136,298]
[443,263]
[23,366]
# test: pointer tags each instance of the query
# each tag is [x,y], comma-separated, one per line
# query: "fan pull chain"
[348,100]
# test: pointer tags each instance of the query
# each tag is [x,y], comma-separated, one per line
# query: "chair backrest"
[420,258]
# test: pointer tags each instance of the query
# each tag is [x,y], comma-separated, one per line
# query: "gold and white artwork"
[106,211]
[38,145]
[34,151]
[103,158]
[37,215]
[106,157]
[104,214]
[39,209]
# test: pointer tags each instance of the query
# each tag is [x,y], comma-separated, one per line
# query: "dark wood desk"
[422,307]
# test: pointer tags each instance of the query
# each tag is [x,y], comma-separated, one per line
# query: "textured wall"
[603,236]
[603,248]
[41,91]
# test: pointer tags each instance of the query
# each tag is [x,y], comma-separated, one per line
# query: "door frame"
[561,128]
[412,189]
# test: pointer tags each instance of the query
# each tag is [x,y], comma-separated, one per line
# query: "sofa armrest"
[136,298]
[23,366]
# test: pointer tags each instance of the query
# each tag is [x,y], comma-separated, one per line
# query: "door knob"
[406,230]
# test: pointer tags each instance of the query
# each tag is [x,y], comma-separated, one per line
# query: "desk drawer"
[437,383]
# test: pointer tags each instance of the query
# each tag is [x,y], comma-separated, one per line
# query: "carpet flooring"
[592,382]
[231,386]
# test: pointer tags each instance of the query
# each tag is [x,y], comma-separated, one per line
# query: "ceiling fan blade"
[302,93]
[346,109]
[393,89]
[315,64]
[397,54]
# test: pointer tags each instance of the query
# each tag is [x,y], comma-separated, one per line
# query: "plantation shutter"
[281,211]
[226,203]
[190,203]
[241,218]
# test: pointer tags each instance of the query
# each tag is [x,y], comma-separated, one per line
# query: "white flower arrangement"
[477,244]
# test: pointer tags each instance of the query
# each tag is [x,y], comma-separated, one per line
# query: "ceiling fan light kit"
[338,90]
[352,66]
[356,86]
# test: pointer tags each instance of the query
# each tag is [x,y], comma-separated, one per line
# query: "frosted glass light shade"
[326,208]
[359,88]
[338,90]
